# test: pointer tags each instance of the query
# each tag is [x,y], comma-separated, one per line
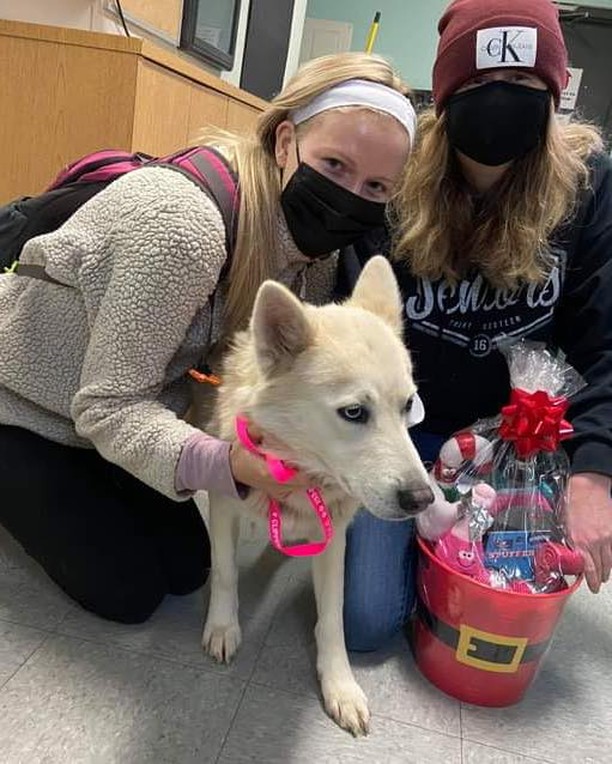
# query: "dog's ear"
[280,327]
[376,290]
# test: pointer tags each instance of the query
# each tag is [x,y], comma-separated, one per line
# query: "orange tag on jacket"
[205,379]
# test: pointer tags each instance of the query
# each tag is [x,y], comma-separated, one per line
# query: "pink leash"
[281,473]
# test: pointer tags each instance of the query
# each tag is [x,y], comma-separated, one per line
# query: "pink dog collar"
[282,473]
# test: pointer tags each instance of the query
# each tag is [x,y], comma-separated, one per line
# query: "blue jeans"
[380,570]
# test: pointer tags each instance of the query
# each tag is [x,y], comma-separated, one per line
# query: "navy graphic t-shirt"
[454,332]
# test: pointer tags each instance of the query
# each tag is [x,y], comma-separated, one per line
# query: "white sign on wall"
[570,95]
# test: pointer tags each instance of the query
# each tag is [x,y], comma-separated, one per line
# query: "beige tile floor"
[74,688]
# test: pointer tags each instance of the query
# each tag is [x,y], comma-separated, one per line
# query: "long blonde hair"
[257,248]
[442,233]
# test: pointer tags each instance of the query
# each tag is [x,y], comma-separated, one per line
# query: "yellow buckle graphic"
[476,647]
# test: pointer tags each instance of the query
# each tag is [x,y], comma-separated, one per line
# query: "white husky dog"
[330,387]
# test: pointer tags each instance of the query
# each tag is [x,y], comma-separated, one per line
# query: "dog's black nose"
[413,501]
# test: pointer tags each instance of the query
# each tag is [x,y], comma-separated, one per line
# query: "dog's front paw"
[347,705]
[221,642]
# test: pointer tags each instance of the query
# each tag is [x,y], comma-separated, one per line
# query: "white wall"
[80,14]
[233,75]
[297,31]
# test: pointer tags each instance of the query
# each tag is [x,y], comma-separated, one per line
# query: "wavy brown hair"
[256,255]
[442,233]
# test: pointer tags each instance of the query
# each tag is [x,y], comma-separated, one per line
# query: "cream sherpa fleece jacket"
[100,360]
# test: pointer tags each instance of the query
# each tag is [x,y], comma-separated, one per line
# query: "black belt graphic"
[481,649]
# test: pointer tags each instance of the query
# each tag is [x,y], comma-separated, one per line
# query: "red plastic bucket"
[480,645]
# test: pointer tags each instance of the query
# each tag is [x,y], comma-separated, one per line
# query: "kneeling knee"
[365,634]
[132,611]
[129,602]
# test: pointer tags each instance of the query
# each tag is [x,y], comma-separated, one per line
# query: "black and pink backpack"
[27,217]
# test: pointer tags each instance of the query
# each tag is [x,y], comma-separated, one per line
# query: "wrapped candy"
[502,484]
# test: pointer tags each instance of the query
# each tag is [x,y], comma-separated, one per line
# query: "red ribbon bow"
[534,422]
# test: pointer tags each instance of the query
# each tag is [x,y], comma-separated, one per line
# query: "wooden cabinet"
[205,108]
[65,92]
[161,109]
[240,116]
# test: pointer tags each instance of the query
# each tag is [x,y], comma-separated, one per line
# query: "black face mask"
[497,122]
[323,216]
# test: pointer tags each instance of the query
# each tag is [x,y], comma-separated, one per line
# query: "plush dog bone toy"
[551,558]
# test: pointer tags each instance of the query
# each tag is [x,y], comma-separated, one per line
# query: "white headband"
[361,93]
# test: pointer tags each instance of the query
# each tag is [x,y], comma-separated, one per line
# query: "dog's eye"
[354,413]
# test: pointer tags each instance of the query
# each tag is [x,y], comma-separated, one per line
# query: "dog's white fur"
[290,374]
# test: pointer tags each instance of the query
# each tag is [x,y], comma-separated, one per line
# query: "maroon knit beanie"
[481,35]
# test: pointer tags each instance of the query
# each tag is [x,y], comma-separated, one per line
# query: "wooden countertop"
[135,46]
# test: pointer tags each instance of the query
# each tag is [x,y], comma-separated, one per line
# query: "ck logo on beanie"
[506,46]
[481,35]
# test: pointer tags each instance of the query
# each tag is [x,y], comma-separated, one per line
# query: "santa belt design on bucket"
[482,649]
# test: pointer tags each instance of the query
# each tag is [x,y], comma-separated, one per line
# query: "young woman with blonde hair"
[502,229]
[94,451]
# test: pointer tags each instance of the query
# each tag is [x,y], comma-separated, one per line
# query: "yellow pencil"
[372,33]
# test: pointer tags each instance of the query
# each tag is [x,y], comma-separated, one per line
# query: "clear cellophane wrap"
[501,485]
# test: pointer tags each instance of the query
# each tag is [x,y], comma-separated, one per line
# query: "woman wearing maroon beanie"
[503,230]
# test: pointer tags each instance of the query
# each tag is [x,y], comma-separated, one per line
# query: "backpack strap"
[208,168]
[100,166]
[222,183]
[205,166]
[34,271]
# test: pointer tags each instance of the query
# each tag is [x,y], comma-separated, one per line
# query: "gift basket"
[495,566]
